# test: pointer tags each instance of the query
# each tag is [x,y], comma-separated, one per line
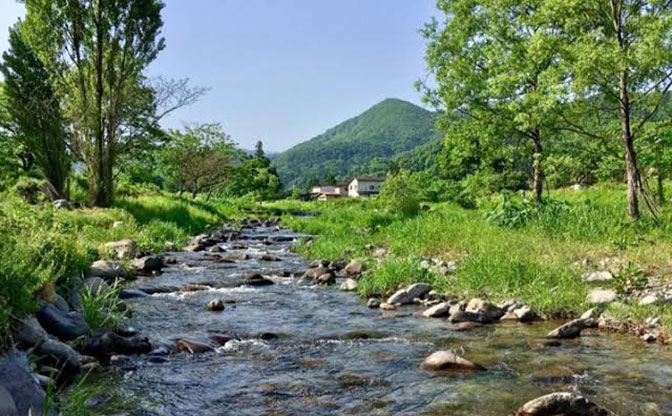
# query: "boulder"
[122,249]
[7,405]
[600,296]
[148,264]
[216,305]
[63,325]
[28,396]
[315,272]
[28,332]
[406,296]
[191,346]
[437,311]
[61,303]
[487,309]
[354,268]
[571,329]
[591,313]
[96,285]
[270,257]
[349,285]
[326,279]
[61,204]
[525,314]
[464,316]
[650,299]
[104,345]
[373,303]
[108,270]
[199,243]
[446,360]
[562,403]
[132,294]
[599,276]
[59,355]
[257,280]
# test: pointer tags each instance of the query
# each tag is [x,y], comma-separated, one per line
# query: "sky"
[284,71]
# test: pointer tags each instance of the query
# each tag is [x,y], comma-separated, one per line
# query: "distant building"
[327,192]
[365,186]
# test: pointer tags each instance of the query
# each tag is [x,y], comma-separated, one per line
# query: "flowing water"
[308,350]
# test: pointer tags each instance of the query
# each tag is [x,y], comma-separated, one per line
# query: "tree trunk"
[102,193]
[538,172]
[660,187]
[631,170]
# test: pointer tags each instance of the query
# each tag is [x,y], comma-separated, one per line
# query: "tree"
[199,159]
[36,119]
[96,52]
[331,179]
[259,150]
[494,61]
[620,50]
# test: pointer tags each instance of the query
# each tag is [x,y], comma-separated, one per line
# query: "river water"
[301,349]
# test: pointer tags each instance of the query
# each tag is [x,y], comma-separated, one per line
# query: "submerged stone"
[446,360]
[563,403]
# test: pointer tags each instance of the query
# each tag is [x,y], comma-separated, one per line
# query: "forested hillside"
[362,145]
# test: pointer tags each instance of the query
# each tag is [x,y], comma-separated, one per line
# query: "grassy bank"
[505,249]
[44,247]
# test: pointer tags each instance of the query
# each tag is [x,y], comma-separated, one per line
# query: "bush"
[30,190]
[513,212]
[402,193]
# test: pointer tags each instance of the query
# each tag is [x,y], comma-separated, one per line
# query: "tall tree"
[494,61]
[259,150]
[620,50]
[34,107]
[96,52]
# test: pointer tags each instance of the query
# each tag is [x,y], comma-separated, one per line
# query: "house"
[327,192]
[365,186]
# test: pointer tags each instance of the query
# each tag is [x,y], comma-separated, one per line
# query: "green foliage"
[518,212]
[102,308]
[29,190]
[402,193]
[349,149]
[630,278]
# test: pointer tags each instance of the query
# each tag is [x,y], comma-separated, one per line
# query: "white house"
[365,186]
[326,192]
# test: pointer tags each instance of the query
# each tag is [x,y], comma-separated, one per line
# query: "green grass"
[42,246]
[535,260]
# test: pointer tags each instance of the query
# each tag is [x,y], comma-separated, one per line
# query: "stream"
[302,349]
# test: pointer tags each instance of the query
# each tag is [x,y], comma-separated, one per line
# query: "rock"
[269,257]
[122,361]
[28,332]
[463,316]
[446,360]
[108,270]
[61,303]
[61,204]
[487,309]
[7,405]
[571,329]
[406,296]
[170,260]
[525,314]
[59,355]
[319,263]
[576,187]
[132,294]
[379,252]
[122,249]
[199,243]
[599,276]
[650,299]
[649,337]
[652,322]
[28,396]
[457,307]
[326,279]
[354,268]
[148,264]
[563,403]
[63,325]
[465,326]
[216,305]
[104,345]
[349,285]
[387,306]
[373,303]
[193,347]
[437,311]
[509,316]
[257,280]
[600,296]
[591,313]
[315,272]
[96,285]
[216,249]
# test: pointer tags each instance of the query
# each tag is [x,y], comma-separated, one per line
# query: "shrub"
[402,193]
[30,190]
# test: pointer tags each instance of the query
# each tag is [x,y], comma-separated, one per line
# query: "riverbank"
[551,259]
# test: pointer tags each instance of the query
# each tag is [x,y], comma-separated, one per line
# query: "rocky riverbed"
[235,325]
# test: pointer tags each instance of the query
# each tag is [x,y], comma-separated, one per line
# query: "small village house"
[327,192]
[365,186]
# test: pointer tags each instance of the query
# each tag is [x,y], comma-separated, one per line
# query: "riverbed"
[303,349]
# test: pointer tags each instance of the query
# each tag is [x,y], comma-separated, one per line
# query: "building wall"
[357,188]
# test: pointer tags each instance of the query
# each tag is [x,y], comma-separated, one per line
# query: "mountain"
[361,145]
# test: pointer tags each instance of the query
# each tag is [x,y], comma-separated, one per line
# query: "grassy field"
[505,249]
[42,246]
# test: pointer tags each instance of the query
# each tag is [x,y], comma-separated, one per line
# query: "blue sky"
[283,71]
